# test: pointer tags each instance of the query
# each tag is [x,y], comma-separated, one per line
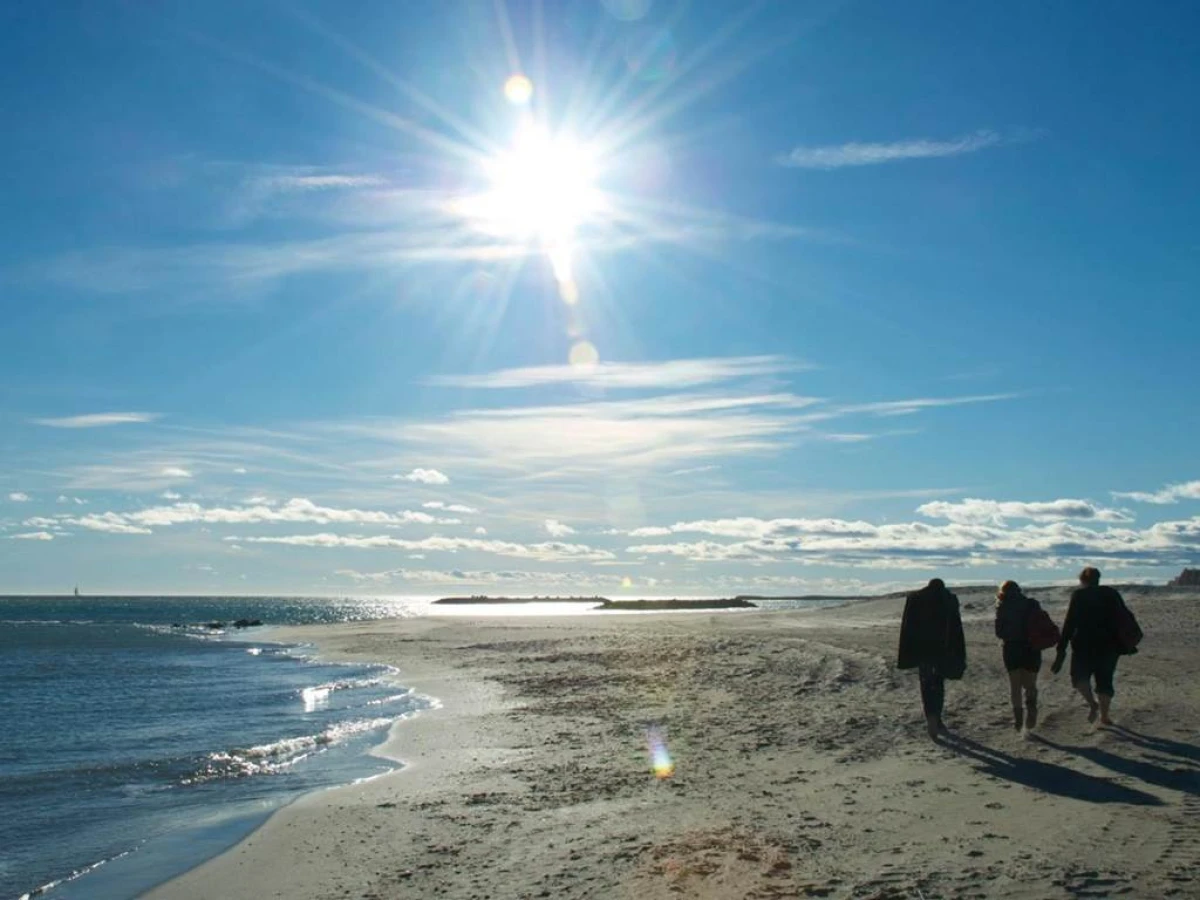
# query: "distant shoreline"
[604,603]
[480,599]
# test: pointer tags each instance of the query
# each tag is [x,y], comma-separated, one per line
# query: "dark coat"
[1091,624]
[931,633]
[1012,619]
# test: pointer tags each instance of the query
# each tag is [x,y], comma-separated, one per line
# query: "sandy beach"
[801,767]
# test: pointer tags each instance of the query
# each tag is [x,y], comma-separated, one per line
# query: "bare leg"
[1029,683]
[1105,706]
[1085,688]
[1015,680]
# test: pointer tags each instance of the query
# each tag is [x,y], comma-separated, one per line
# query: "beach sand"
[801,767]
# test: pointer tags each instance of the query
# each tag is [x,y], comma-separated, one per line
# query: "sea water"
[131,750]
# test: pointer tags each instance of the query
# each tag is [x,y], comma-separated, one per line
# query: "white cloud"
[869,154]
[980,537]
[32,536]
[171,495]
[751,527]
[1172,493]
[481,530]
[649,531]
[997,512]
[99,420]
[109,522]
[175,472]
[450,507]
[294,511]
[19,497]
[425,476]
[556,528]
[240,470]
[551,551]
[672,374]
[78,501]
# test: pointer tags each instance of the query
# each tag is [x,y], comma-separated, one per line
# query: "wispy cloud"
[317,182]
[1172,493]
[908,407]
[636,434]
[530,579]
[19,497]
[551,551]
[696,414]
[425,476]
[32,536]
[693,470]
[670,375]
[294,511]
[99,420]
[427,231]
[871,154]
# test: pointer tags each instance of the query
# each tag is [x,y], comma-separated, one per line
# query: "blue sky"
[810,297]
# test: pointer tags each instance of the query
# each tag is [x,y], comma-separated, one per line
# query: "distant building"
[1187,578]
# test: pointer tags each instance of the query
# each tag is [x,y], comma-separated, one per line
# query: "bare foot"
[1105,721]
[933,724]
[1094,713]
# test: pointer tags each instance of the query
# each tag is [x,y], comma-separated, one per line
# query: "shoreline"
[789,731]
[427,745]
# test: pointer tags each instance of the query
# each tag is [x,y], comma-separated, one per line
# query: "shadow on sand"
[1177,775]
[1156,744]
[1049,777]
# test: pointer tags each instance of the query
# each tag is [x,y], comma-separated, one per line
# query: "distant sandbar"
[467,601]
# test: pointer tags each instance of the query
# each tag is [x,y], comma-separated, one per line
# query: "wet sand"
[801,767]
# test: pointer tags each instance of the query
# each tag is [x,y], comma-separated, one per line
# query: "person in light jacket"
[932,642]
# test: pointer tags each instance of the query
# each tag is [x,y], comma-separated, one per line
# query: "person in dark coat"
[1021,660]
[1091,631]
[932,642]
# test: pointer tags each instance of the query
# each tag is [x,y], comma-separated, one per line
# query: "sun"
[542,188]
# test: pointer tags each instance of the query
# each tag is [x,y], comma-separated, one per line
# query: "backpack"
[1129,633]
[1040,630]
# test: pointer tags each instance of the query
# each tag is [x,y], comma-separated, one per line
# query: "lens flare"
[518,90]
[584,353]
[660,759]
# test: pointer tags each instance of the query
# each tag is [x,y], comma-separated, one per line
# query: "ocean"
[131,750]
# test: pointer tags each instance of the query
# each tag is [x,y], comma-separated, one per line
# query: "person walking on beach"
[1016,616]
[932,642]
[1094,631]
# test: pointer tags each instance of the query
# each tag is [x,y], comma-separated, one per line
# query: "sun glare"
[543,188]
